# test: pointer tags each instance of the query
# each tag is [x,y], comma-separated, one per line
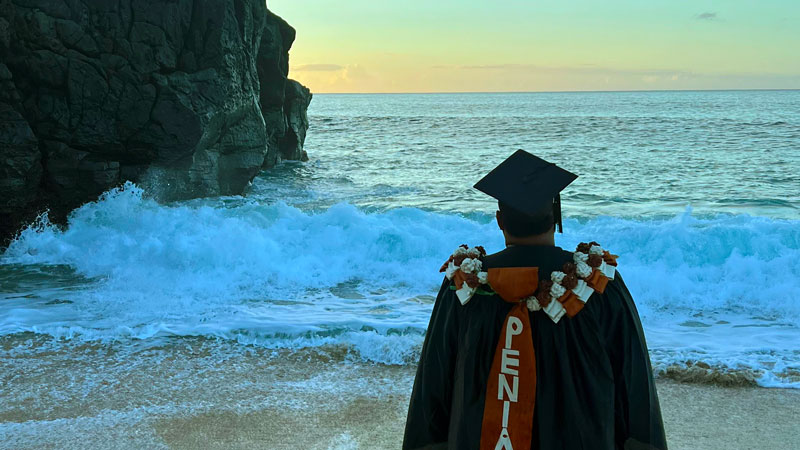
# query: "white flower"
[579,257]
[557,290]
[470,265]
[483,277]
[557,276]
[583,269]
[533,304]
[474,252]
[460,251]
[596,250]
[450,271]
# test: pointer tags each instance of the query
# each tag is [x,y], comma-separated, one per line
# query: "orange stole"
[511,387]
[514,283]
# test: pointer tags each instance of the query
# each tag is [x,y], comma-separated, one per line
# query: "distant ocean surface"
[698,192]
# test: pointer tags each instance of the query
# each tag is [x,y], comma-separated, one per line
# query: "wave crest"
[272,274]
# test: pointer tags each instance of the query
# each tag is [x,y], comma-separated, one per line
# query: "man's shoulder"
[522,256]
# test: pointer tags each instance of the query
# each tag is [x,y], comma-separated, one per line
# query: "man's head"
[528,189]
[521,225]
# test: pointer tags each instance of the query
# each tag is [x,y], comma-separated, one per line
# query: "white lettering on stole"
[511,391]
[513,328]
[504,442]
[507,361]
[509,358]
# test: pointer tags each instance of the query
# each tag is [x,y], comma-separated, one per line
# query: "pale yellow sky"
[533,45]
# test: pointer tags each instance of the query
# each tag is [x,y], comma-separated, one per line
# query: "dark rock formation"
[186,97]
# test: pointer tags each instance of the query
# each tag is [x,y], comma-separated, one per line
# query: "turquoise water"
[638,154]
[698,192]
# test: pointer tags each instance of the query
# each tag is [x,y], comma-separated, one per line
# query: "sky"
[537,45]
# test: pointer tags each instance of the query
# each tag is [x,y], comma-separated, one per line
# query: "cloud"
[583,68]
[492,67]
[499,66]
[355,72]
[706,16]
[318,67]
[347,78]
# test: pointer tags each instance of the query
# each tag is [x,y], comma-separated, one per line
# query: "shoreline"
[206,394]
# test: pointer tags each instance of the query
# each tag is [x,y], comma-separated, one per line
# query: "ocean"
[337,259]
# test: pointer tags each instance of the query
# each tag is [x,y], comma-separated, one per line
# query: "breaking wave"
[717,290]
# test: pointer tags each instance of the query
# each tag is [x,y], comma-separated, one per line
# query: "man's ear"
[499,218]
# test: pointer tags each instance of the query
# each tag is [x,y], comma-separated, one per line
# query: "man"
[534,346]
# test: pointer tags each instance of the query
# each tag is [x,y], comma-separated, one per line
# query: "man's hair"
[519,224]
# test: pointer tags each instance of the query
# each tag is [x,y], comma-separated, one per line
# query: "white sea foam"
[276,276]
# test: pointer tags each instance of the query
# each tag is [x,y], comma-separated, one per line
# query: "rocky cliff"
[186,97]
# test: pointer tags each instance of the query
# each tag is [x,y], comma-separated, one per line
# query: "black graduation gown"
[594,386]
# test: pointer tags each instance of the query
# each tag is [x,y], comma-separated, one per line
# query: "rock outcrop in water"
[189,98]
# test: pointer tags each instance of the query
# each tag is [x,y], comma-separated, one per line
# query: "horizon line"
[557,92]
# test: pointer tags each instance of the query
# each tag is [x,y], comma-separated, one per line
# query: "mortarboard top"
[525,182]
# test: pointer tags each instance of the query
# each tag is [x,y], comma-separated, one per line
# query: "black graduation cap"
[527,183]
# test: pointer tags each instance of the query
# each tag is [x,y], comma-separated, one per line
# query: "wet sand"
[695,416]
[200,394]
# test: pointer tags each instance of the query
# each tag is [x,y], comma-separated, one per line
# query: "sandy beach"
[204,394]
[696,417]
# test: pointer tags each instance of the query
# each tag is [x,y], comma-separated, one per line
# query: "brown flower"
[482,250]
[583,247]
[472,280]
[459,259]
[544,298]
[595,260]
[570,281]
[543,293]
[569,268]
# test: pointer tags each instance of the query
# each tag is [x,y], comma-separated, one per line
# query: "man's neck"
[547,239]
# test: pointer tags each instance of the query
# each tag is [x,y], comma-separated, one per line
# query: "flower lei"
[590,270]
[464,269]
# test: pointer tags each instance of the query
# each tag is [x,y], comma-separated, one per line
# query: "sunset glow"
[517,45]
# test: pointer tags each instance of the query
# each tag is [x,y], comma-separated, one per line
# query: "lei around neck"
[565,291]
